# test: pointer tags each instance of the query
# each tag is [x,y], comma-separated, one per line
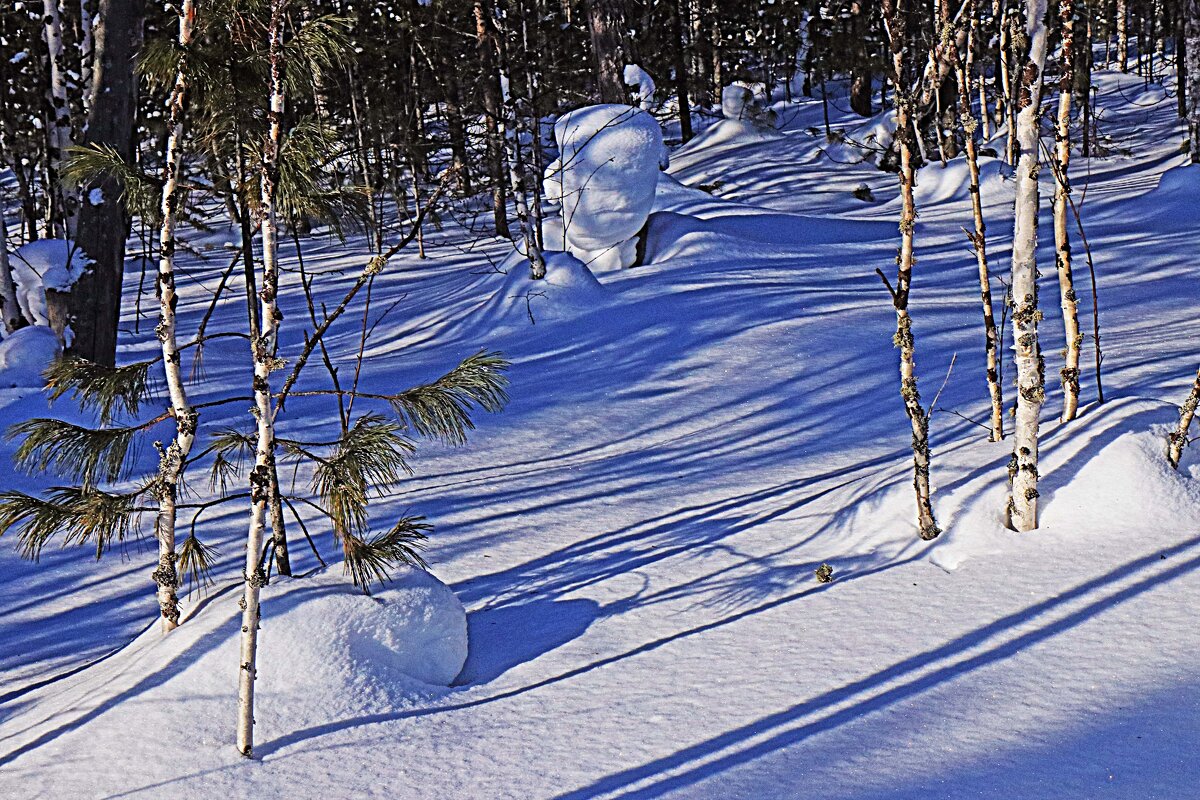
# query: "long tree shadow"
[942,658]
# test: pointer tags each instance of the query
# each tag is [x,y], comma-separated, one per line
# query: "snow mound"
[746,120]
[1182,181]
[604,181]
[864,142]
[568,289]
[642,84]
[41,265]
[25,355]
[951,183]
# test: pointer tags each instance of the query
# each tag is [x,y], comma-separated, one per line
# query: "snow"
[45,264]
[25,354]
[603,182]
[568,289]
[638,79]
[634,538]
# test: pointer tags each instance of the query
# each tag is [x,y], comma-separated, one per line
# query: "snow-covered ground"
[634,538]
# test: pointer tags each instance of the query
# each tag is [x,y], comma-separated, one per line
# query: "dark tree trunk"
[606,24]
[486,47]
[94,305]
[681,72]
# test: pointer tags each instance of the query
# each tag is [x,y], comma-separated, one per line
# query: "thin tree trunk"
[265,362]
[10,310]
[1062,191]
[62,213]
[681,71]
[1178,439]
[175,456]
[1122,36]
[1191,35]
[978,237]
[94,303]
[895,15]
[492,102]
[1023,506]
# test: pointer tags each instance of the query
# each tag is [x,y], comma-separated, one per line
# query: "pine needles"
[442,409]
[85,454]
[81,514]
[370,561]
[98,387]
[372,454]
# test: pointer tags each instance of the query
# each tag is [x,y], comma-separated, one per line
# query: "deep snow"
[634,538]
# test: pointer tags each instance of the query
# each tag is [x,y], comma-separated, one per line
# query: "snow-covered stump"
[44,273]
[604,183]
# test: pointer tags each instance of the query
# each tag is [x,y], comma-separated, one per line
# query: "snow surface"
[25,354]
[634,538]
[638,79]
[603,182]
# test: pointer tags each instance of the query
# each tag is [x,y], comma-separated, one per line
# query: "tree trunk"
[1062,191]
[606,25]
[492,101]
[681,71]
[978,237]
[94,304]
[1191,35]
[1122,36]
[1178,439]
[895,14]
[1022,505]
[62,213]
[174,457]
[10,309]
[262,346]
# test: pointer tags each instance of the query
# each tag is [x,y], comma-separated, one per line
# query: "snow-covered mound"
[1179,182]
[41,265]
[746,120]
[951,183]
[603,182]
[642,84]
[568,289]
[25,354]
[864,142]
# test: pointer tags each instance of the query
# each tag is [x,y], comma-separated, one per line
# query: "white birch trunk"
[265,362]
[8,291]
[1023,507]
[978,236]
[1062,191]
[1178,439]
[1122,36]
[61,210]
[87,53]
[894,15]
[1191,34]
[173,458]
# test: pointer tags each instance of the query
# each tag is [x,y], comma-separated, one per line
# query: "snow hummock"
[45,264]
[643,85]
[25,354]
[603,182]
[568,289]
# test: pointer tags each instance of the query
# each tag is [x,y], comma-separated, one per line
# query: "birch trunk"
[11,310]
[1122,36]
[87,54]
[1062,190]
[173,458]
[1178,439]
[265,362]
[895,14]
[61,216]
[978,236]
[1022,506]
[1191,35]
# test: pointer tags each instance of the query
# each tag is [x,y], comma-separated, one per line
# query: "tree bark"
[492,103]
[978,236]
[1122,36]
[1023,506]
[61,211]
[94,304]
[895,15]
[1062,190]
[606,25]
[1178,439]
[10,309]
[681,71]
[174,457]
[1191,35]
